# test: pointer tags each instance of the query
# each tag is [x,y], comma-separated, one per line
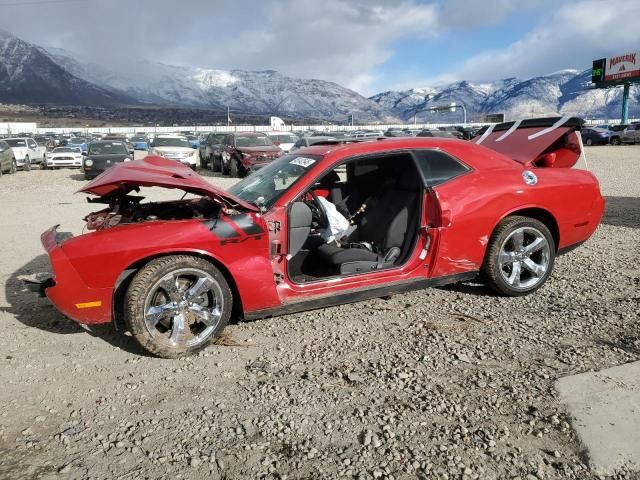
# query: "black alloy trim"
[569,248]
[359,294]
[221,228]
[247,224]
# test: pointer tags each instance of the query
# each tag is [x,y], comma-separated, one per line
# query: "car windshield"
[254,141]
[171,142]
[110,148]
[217,139]
[77,140]
[274,179]
[66,150]
[16,143]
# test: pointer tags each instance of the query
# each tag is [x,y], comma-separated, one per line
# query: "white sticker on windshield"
[115,143]
[302,161]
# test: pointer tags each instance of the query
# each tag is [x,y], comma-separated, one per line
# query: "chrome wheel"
[184,307]
[524,258]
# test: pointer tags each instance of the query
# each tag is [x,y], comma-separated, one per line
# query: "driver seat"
[387,224]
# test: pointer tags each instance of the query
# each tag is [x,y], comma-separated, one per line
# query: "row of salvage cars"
[337,222]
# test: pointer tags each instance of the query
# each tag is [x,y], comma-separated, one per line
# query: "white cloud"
[573,35]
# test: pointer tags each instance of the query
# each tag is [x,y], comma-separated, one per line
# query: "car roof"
[249,134]
[476,156]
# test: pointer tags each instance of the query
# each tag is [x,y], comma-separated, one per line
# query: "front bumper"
[66,289]
[55,163]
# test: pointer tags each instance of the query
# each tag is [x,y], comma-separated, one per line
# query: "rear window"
[437,167]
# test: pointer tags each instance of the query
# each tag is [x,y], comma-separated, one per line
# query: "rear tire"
[520,256]
[177,305]
[615,141]
[14,166]
[589,142]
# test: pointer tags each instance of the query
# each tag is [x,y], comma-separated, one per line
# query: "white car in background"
[284,140]
[64,157]
[176,148]
[27,152]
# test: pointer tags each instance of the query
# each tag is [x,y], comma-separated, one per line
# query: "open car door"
[537,142]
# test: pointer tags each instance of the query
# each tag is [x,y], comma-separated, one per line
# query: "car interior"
[377,198]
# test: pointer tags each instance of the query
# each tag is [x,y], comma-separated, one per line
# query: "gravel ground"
[443,383]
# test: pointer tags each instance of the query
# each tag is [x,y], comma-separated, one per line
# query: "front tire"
[14,166]
[615,141]
[589,142]
[177,305]
[520,256]
[27,164]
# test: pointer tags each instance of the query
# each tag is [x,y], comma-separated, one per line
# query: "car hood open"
[153,171]
[549,142]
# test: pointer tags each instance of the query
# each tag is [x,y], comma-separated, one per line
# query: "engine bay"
[127,209]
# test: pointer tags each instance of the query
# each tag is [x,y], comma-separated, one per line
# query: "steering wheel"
[318,213]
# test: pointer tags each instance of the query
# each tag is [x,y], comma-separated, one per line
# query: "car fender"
[100,258]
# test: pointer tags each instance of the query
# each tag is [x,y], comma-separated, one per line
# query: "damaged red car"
[334,223]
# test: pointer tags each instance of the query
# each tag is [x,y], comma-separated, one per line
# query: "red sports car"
[337,222]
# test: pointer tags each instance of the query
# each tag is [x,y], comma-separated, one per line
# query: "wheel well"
[542,216]
[125,278]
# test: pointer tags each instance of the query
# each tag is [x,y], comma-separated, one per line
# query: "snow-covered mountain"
[29,76]
[33,74]
[565,92]
[258,92]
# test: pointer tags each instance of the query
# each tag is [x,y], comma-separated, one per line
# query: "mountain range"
[33,74]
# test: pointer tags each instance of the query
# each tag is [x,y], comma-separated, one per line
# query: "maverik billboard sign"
[616,70]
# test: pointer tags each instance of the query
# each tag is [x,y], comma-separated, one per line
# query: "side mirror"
[84,154]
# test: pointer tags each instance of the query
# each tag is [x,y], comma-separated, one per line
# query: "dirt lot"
[442,383]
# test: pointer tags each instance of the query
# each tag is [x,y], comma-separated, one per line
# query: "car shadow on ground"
[35,312]
[78,177]
[622,212]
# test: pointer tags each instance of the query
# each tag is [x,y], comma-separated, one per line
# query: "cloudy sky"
[367,45]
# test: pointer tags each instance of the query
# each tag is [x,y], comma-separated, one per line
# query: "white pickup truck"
[27,152]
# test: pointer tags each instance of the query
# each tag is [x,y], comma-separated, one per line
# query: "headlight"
[127,159]
[156,152]
[88,162]
[246,155]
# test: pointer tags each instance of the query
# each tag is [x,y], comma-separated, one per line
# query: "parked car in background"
[308,141]
[64,157]
[284,140]
[599,136]
[7,159]
[614,128]
[434,132]
[631,134]
[78,142]
[175,147]
[139,142]
[103,155]
[211,151]
[246,151]
[27,152]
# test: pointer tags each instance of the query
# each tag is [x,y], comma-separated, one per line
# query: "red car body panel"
[457,220]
